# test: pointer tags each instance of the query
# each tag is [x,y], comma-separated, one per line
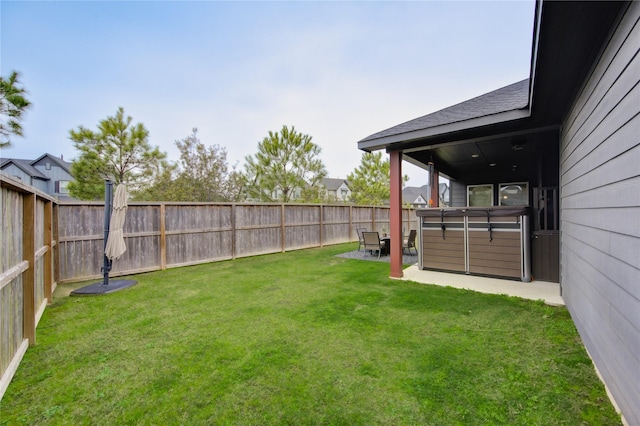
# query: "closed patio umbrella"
[115,209]
[115,242]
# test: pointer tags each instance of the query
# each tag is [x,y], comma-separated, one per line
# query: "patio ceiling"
[506,157]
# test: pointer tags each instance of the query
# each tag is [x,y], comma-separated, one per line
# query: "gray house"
[48,173]
[418,197]
[566,143]
[337,189]
[415,196]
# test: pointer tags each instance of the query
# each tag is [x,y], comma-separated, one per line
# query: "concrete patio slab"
[536,290]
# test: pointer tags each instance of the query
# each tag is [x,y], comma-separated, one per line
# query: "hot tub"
[492,241]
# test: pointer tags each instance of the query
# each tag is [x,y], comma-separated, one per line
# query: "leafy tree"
[163,187]
[202,175]
[12,105]
[370,181]
[286,165]
[118,150]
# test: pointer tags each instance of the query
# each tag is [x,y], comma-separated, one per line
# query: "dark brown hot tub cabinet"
[476,240]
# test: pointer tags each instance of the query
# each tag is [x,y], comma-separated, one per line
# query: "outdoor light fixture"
[475,155]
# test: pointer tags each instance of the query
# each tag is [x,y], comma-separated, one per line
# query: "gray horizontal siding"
[458,194]
[600,214]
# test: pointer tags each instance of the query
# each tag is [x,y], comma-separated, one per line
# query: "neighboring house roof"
[65,165]
[333,184]
[443,190]
[28,166]
[411,193]
[509,98]
[24,165]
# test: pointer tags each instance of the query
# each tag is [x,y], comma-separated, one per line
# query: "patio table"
[387,245]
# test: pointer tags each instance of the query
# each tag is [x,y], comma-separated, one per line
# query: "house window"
[47,165]
[62,186]
[514,194]
[480,195]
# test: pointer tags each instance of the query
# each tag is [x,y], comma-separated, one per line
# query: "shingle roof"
[508,98]
[27,166]
[332,184]
[411,193]
[24,165]
[65,165]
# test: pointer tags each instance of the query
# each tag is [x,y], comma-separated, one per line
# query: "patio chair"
[372,242]
[411,242]
[360,237]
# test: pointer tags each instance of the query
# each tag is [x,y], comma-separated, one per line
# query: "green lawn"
[302,338]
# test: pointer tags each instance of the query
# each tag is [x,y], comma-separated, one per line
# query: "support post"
[395,213]
[106,267]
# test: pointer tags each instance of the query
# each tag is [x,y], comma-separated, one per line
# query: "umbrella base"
[99,288]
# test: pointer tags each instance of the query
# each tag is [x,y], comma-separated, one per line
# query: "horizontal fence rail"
[167,235]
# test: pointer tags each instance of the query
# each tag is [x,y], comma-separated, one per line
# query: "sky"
[338,71]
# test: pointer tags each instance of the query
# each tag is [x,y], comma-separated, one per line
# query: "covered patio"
[564,141]
[506,138]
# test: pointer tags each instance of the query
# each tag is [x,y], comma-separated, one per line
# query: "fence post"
[321,226]
[163,237]
[29,276]
[350,222]
[373,218]
[55,250]
[48,256]
[282,230]
[233,230]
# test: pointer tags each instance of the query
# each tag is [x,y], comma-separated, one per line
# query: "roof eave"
[386,142]
[24,169]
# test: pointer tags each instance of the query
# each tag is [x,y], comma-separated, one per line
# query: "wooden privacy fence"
[167,235]
[43,242]
[27,269]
